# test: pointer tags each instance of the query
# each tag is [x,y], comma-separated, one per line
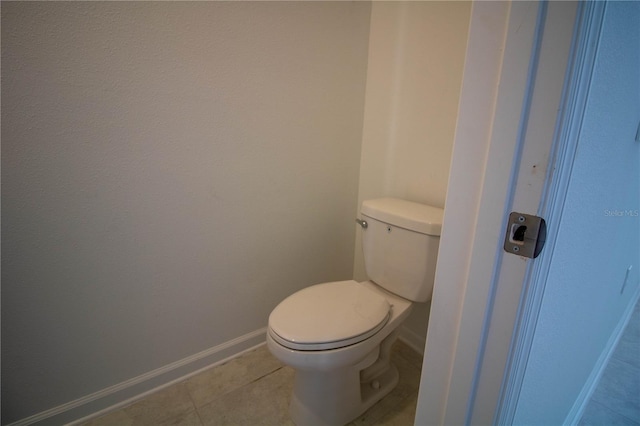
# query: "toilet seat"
[328,316]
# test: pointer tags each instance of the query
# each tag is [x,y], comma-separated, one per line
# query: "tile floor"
[254,389]
[616,400]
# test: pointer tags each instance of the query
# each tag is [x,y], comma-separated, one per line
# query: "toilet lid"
[328,316]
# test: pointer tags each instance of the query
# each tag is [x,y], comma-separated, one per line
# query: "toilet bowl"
[338,335]
[347,370]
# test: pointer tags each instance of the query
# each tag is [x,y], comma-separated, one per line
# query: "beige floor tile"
[188,419]
[166,405]
[263,402]
[255,389]
[213,383]
[115,418]
[382,408]
[402,415]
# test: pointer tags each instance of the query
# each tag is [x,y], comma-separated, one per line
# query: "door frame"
[587,34]
[477,291]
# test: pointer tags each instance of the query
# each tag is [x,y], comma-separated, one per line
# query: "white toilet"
[338,335]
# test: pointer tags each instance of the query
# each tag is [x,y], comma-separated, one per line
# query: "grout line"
[199,417]
[205,371]
[263,376]
[193,402]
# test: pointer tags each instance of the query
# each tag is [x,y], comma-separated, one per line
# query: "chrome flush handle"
[362,223]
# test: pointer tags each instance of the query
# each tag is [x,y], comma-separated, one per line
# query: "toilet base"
[337,397]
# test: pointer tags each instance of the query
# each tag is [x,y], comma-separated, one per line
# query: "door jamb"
[577,83]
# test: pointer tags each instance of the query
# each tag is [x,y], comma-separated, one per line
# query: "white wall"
[467,190]
[414,75]
[170,171]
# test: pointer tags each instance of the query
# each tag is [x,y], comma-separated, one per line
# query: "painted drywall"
[171,171]
[414,75]
[588,291]
[463,237]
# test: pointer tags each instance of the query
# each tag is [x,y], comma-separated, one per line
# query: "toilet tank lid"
[405,214]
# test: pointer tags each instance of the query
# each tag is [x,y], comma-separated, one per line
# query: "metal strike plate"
[525,235]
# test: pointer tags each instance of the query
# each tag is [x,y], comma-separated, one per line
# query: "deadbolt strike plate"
[525,235]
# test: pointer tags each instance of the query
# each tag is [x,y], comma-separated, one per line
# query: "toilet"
[338,335]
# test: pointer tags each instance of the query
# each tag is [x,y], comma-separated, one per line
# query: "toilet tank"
[400,245]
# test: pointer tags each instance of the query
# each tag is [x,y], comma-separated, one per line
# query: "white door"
[510,122]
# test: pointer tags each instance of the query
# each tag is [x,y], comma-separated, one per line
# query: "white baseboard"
[122,394]
[575,414]
[414,340]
